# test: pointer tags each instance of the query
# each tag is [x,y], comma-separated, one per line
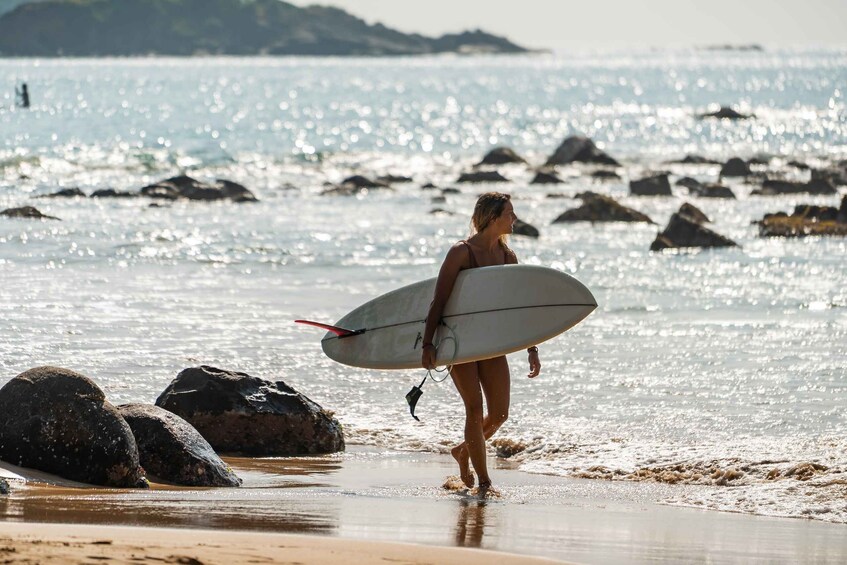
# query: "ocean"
[721,369]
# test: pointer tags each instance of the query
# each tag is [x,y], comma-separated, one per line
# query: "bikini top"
[510,256]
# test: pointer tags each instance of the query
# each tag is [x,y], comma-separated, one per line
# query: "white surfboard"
[492,311]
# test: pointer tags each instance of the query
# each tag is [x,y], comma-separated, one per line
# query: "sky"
[563,24]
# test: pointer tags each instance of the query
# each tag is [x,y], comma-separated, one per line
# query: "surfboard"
[491,311]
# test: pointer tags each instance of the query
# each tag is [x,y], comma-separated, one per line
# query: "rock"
[112,193]
[806,220]
[64,193]
[735,167]
[58,421]
[441,212]
[651,186]
[4,486]
[819,213]
[450,190]
[695,160]
[544,177]
[694,213]
[186,187]
[438,200]
[171,449]
[712,190]
[727,113]
[482,176]
[501,156]
[599,208]
[682,231]
[835,175]
[799,165]
[237,413]
[774,187]
[26,212]
[360,181]
[522,228]
[394,179]
[580,149]
[603,174]
[841,218]
[692,184]
[557,195]
[428,186]
[759,160]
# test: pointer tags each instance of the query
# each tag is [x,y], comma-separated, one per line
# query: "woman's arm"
[456,258]
[532,352]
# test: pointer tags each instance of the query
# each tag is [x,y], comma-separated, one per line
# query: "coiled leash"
[415,394]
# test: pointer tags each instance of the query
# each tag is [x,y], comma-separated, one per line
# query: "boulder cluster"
[805,220]
[59,421]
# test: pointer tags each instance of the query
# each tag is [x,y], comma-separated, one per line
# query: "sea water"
[721,368]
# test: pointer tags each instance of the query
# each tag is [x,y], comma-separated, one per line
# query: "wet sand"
[363,498]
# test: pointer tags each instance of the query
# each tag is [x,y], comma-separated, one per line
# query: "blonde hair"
[489,207]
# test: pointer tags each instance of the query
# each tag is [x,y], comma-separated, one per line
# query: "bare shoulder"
[511,257]
[458,255]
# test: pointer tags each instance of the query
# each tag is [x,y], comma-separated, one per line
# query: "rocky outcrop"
[727,113]
[188,188]
[705,190]
[29,212]
[657,185]
[522,228]
[604,175]
[682,231]
[172,450]
[806,220]
[599,208]
[501,156]
[735,167]
[240,414]
[546,177]
[112,193]
[394,179]
[694,213]
[360,181]
[58,421]
[64,193]
[695,160]
[835,175]
[482,176]
[776,187]
[579,149]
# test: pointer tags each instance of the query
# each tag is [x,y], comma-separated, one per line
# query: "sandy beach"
[366,505]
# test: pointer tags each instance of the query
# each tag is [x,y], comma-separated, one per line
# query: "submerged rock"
[599,208]
[112,193]
[657,185]
[695,160]
[735,167]
[546,177]
[501,156]
[806,220]
[186,187]
[171,449]
[603,175]
[705,190]
[694,213]
[582,150]
[58,421]
[774,187]
[682,231]
[727,113]
[26,212]
[64,193]
[523,228]
[359,181]
[237,413]
[394,179]
[482,176]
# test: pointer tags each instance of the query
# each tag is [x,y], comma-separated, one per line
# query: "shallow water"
[712,367]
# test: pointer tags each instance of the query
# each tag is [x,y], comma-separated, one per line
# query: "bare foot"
[463,459]
[485,490]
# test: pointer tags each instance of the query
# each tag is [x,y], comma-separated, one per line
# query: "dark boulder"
[58,421]
[482,176]
[727,113]
[798,165]
[694,213]
[600,208]
[441,212]
[682,231]
[64,193]
[394,179]
[775,187]
[237,413]
[450,190]
[26,212]
[735,167]
[806,220]
[359,181]
[112,193]
[657,185]
[693,185]
[603,175]
[428,186]
[695,160]
[172,450]
[705,190]
[836,175]
[546,177]
[186,187]
[523,228]
[580,149]
[501,156]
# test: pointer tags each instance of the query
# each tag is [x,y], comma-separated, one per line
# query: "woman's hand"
[428,357]
[534,363]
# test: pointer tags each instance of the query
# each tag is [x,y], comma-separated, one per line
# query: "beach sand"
[362,505]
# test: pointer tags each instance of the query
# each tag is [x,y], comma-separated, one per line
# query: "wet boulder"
[360,181]
[394,179]
[806,220]
[172,450]
[776,187]
[682,231]
[58,421]
[693,212]
[501,156]
[579,149]
[727,113]
[599,208]
[657,185]
[546,177]
[705,190]
[65,193]
[605,175]
[735,167]
[835,175]
[240,414]
[185,187]
[695,160]
[482,176]
[112,193]
[523,228]
[28,212]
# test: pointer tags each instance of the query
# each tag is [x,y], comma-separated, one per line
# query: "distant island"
[94,28]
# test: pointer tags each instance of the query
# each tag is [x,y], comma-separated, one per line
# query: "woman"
[492,221]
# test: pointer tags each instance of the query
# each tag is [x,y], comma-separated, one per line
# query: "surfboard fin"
[413,396]
[340,332]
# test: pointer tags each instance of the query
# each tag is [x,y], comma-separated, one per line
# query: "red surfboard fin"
[340,332]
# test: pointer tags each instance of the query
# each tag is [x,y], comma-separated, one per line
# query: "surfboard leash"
[415,394]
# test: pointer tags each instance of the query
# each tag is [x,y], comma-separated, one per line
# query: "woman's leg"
[466,379]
